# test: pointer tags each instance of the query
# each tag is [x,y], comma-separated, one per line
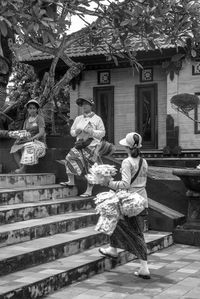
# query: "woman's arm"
[99,132]
[126,177]
[41,125]
[74,131]
[40,134]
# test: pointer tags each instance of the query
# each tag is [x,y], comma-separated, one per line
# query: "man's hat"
[80,101]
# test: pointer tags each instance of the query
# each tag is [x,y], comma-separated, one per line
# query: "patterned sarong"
[77,162]
[32,151]
[128,235]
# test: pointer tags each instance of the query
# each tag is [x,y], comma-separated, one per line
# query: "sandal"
[62,162]
[144,276]
[105,253]
[66,184]
[85,195]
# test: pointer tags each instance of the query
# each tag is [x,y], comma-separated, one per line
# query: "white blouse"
[128,169]
[95,122]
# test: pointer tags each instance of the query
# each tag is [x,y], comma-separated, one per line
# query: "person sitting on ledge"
[28,150]
[88,129]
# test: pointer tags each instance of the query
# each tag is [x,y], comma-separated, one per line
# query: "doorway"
[104,107]
[146,114]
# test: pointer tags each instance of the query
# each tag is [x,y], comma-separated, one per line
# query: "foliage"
[153,22]
[121,29]
[23,83]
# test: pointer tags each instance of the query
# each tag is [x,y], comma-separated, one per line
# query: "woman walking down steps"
[128,234]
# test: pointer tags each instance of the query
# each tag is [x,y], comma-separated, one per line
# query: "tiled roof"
[27,53]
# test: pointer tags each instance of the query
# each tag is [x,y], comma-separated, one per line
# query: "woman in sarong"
[128,234]
[28,150]
[88,129]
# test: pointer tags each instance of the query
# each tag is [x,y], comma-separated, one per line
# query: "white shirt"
[95,122]
[128,169]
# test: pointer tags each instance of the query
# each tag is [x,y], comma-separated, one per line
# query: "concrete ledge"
[163,218]
[24,180]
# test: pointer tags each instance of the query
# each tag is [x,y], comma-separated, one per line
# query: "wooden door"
[104,107]
[146,114]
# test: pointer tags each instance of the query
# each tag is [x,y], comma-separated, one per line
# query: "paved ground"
[175,274]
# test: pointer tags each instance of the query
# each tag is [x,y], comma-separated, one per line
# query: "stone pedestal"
[189,232]
[193,215]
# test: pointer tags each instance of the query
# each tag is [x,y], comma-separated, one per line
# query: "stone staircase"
[47,237]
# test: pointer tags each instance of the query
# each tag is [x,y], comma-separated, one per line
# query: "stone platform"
[48,238]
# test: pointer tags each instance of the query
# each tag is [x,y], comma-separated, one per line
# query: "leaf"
[42,12]
[45,37]
[177,57]
[120,55]
[115,60]
[165,64]
[4,2]
[151,44]
[108,57]
[36,27]
[51,38]
[171,75]
[124,23]
[45,23]
[3,28]
[8,13]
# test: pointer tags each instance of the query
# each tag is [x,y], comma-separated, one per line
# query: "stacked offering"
[107,205]
[115,205]
[97,173]
[19,134]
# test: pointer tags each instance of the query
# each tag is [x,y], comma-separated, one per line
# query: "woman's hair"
[135,151]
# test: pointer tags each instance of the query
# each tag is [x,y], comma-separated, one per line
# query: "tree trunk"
[5,64]
[2,95]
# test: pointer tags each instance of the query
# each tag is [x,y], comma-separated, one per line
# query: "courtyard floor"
[175,273]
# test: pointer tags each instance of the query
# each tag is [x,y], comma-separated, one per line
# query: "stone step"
[37,228]
[26,179]
[43,250]
[41,280]
[26,211]
[35,193]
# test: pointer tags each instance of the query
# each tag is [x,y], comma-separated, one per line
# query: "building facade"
[130,100]
[140,101]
